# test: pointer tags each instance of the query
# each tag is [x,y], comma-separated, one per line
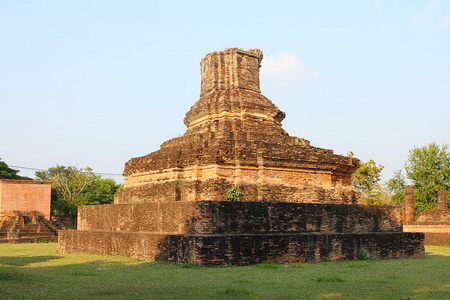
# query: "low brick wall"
[437,238]
[435,233]
[217,217]
[243,249]
[241,233]
[434,215]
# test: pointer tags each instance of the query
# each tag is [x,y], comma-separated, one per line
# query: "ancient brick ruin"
[241,233]
[25,195]
[297,202]
[234,137]
[434,223]
[25,211]
[26,227]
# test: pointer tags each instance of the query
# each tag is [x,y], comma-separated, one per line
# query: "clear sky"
[95,83]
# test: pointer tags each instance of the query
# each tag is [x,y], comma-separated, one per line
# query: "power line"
[36,169]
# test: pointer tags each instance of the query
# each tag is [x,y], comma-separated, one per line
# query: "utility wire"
[36,169]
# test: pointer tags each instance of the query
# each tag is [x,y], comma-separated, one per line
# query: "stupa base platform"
[243,249]
[241,233]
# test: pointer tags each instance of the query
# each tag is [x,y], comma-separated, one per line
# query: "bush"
[363,254]
[234,194]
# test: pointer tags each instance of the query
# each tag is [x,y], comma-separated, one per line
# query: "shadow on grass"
[97,277]
[103,279]
[11,275]
[21,261]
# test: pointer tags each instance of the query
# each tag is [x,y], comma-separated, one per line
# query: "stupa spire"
[230,88]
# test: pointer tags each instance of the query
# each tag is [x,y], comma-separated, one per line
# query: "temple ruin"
[234,137]
[297,201]
[434,223]
[25,211]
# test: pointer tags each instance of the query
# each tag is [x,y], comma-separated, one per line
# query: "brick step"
[242,249]
[49,232]
[29,240]
[35,233]
[22,232]
[218,217]
[37,229]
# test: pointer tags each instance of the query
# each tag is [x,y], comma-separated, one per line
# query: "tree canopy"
[7,173]
[366,180]
[74,186]
[428,168]
[396,187]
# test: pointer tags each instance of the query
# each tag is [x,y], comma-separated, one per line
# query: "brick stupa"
[234,137]
[297,202]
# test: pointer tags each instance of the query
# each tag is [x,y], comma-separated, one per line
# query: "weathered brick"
[25,195]
[234,137]
[298,202]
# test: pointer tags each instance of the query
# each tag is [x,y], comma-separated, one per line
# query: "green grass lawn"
[38,271]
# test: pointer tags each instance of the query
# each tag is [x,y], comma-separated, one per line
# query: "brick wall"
[25,195]
[230,233]
[242,249]
[217,217]
[436,233]
[434,215]
[234,137]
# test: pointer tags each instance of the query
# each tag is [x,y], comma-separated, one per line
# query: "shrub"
[234,194]
[363,254]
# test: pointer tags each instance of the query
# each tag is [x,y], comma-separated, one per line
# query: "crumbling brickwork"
[297,202]
[234,137]
[217,217]
[26,227]
[227,233]
[434,223]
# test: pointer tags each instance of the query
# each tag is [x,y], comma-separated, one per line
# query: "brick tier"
[234,137]
[240,233]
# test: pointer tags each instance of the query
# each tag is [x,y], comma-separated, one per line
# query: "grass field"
[38,271]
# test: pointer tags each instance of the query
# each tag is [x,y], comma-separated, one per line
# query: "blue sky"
[95,83]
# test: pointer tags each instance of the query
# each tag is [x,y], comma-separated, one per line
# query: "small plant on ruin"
[363,254]
[234,194]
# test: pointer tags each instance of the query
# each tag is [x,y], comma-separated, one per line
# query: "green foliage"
[363,254]
[234,194]
[7,173]
[396,186]
[73,186]
[428,167]
[366,180]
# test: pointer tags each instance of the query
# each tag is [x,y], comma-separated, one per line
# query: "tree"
[428,167]
[396,186]
[7,173]
[366,180]
[73,187]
